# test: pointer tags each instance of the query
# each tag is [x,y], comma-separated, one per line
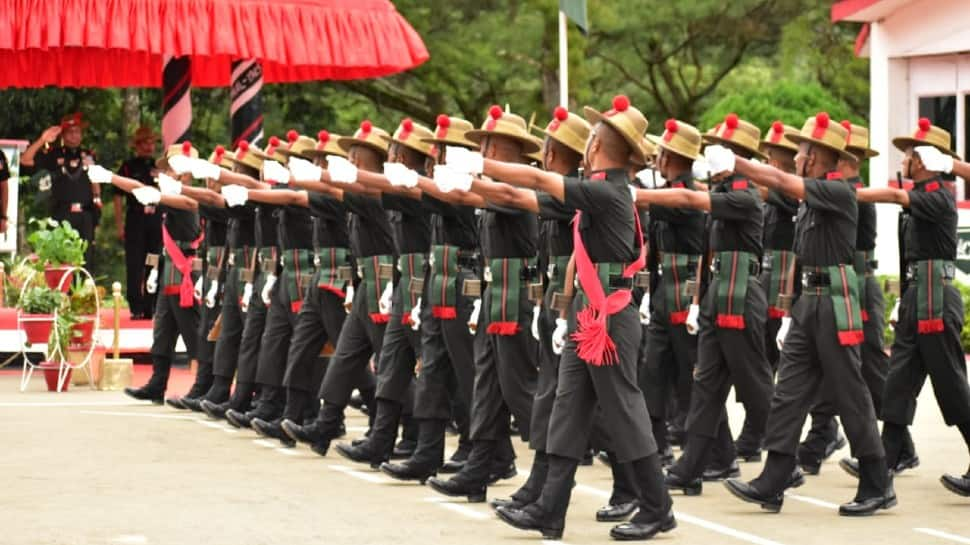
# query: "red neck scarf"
[183,264]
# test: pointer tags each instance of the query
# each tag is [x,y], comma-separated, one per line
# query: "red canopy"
[122,43]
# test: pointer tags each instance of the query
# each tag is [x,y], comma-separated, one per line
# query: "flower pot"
[51,370]
[83,331]
[53,277]
[37,327]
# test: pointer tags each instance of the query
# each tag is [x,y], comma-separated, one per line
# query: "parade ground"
[88,467]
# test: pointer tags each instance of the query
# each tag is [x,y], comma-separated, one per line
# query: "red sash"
[593,342]
[183,264]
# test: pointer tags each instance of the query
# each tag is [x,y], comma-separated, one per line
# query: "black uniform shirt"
[454,225]
[780,212]
[555,225]
[295,228]
[69,180]
[216,224]
[508,232]
[241,231]
[410,223]
[866,229]
[369,230]
[677,230]
[608,226]
[930,231]
[264,224]
[736,216]
[826,229]
[182,225]
[141,169]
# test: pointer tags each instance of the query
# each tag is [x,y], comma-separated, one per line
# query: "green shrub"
[890,299]
[57,244]
[41,300]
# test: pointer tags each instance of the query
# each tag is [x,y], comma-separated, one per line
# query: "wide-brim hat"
[74,120]
[326,144]
[857,142]
[247,156]
[734,131]
[144,133]
[820,130]
[681,138]
[648,150]
[568,129]
[272,151]
[366,135]
[926,134]
[624,119]
[778,137]
[413,136]
[220,156]
[182,148]
[508,125]
[296,145]
[452,131]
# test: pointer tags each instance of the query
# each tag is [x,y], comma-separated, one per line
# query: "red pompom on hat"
[443,121]
[244,145]
[366,126]
[560,113]
[407,124]
[292,135]
[821,125]
[274,141]
[186,147]
[621,103]
[778,126]
[925,124]
[323,136]
[220,151]
[731,121]
[670,127]
[847,124]
[495,112]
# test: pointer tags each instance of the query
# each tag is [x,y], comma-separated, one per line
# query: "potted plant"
[84,306]
[38,305]
[59,342]
[58,247]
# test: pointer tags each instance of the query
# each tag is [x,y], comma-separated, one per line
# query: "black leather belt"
[812,279]
[754,267]
[529,273]
[468,260]
[949,272]
[618,282]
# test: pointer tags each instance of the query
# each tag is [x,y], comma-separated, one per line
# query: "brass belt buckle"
[196,264]
[269,266]
[246,275]
[536,292]
[416,285]
[784,302]
[642,280]
[472,288]
[690,288]
[212,273]
[560,301]
[151,260]
[385,271]
[345,273]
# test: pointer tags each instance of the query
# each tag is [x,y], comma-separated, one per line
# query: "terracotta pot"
[51,370]
[37,327]
[83,331]
[53,277]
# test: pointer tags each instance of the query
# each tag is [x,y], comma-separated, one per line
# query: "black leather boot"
[147,393]
[377,448]
[273,429]
[547,515]
[875,489]
[530,491]
[321,431]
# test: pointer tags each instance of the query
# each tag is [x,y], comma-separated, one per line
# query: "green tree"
[791,103]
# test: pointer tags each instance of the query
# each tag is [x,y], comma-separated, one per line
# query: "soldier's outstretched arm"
[526,176]
[204,196]
[180,202]
[771,177]
[883,194]
[280,197]
[506,195]
[673,198]
[228,177]
[458,197]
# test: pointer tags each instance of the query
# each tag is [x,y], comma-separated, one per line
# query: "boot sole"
[406,479]
[233,422]
[615,518]
[953,488]
[770,507]
[670,525]
[888,504]
[477,497]
[547,533]
[373,465]
[292,435]
[714,478]
[848,469]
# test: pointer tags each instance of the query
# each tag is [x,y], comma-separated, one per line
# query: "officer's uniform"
[72,197]
[143,236]
[780,212]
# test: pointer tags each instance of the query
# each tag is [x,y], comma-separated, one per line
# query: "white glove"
[894,315]
[701,169]
[559,336]
[651,179]
[692,314]
[275,173]
[349,299]
[302,170]
[247,296]
[180,164]
[235,195]
[99,175]
[443,178]
[783,331]
[210,298]
[384,303]
[341,170]
[416,316]
[934,159]
[151,283]
[147,195]
[464,160]
[168,185]
[645,309]
[719,159]
[399,175]
[473,319]
[265,295]
[203,170]
[536,311]
[197,290]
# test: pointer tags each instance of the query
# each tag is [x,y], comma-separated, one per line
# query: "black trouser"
[206,348]
[84,222]
[938,355]
[252,335]
[548,380]
[171,320]
[402,344]
[360,338]
[275,344]
[143,236]
[227,349]
[319,321]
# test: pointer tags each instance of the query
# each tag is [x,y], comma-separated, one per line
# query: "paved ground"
[93,468]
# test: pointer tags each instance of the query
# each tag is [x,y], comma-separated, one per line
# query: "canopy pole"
[563,61]
[246,103]
[176,100]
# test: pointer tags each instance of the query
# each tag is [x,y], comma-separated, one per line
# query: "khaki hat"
[182,148]
[297,145]
[243,155]
[507,124]
[73,120]
[857,142]
[413,135]
[568,129]
[681,138]
[927,134]
[272,151]
[367,135]
[624,118]
[144,133]
[221,157]
[535,157]
[735,131]
[819,130]
[326,144]
[778,137]
[452,131]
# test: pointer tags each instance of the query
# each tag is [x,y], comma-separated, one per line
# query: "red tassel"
[930,326]
[593,342]
[851,338]
[503,328]
[730,321]
[679,318]
[336,291]
[295,306]
[406,319]
[444,313]
[171,290]
[379,318]
[775,313]
[865,315]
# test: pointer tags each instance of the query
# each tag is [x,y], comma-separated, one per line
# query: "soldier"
[139,227]
[73,197]
[823,333]
[930,309]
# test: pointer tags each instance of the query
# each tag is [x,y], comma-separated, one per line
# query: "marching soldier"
[823,333]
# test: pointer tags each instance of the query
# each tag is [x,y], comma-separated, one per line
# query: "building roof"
[864,11]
